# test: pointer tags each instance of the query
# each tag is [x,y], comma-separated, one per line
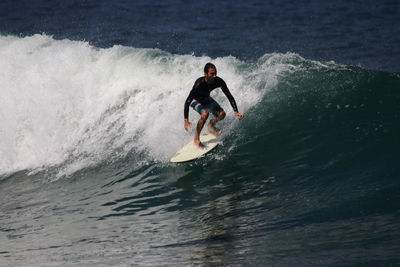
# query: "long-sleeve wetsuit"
[201,92]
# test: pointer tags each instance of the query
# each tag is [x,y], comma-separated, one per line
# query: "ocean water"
[91,110]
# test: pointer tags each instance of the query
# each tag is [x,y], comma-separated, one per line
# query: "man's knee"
[221,115]
[204,114]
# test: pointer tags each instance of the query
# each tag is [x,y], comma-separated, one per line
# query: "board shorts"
[213,107]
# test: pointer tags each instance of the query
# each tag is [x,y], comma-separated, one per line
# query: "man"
[205,105]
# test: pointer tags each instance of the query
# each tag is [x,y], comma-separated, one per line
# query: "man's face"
[210,76]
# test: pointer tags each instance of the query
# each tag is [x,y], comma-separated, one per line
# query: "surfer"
[204,104]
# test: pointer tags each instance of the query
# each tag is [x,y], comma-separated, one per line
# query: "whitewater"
[67,103]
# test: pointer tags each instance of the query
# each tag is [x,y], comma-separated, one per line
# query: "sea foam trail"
[68,103]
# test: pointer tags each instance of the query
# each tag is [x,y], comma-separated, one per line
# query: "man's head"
[210,72]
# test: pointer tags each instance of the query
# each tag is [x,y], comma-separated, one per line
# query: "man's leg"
[213,121]
[200,125]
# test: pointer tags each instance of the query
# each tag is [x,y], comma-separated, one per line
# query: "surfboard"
[191,151]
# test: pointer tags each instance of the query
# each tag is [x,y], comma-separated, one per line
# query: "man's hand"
[187,124]
[239,115]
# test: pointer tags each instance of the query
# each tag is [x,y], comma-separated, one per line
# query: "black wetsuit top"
[201,92]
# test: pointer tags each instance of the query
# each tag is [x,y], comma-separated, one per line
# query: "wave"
[67,105]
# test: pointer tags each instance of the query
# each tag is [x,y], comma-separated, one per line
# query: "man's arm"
[231,99]
[228,95]
[189,100]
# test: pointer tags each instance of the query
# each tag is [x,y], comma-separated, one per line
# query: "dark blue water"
[91,110]
[364,33]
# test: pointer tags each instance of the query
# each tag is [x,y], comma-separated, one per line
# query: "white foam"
[67,103]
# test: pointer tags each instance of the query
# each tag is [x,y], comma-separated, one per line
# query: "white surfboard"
[191,151]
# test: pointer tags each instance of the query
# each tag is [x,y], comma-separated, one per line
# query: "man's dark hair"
[209,66]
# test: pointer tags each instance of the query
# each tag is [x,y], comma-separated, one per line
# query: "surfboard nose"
[191,152]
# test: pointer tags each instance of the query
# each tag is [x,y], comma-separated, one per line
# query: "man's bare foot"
[214,130]
[199,144]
